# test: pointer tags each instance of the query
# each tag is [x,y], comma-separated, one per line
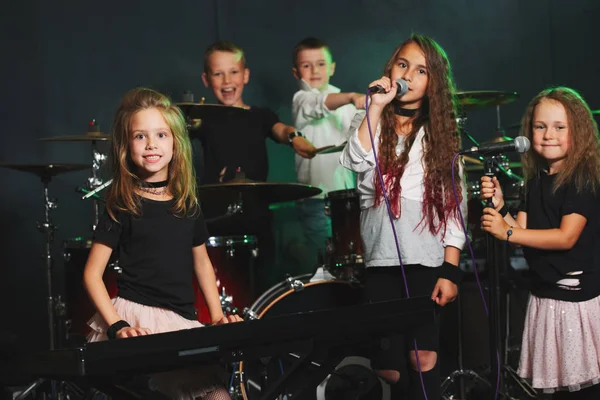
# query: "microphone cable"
[391,219]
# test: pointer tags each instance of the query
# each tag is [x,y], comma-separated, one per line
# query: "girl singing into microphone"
[416,139]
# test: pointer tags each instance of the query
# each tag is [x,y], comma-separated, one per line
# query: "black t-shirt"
[236,141]
[545,211]
[155,254]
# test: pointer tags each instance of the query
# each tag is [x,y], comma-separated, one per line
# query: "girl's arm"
[452,255]
[562,238]
[490,189]
[445,291]
[376,106]
[92,280]
[207,282]
[519,222]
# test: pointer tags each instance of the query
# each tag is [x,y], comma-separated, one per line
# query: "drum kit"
[233,256]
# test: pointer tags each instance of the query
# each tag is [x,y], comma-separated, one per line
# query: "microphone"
[519,144]
[402,88]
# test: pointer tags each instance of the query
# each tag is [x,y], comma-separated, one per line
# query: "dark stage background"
[67,62]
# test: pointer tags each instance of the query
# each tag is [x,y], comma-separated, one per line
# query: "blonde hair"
[182,181]
[224,46]
[582,163]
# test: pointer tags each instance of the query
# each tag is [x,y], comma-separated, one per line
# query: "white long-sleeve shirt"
[322,127]
[417,244]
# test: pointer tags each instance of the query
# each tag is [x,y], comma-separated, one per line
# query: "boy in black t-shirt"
[239,141]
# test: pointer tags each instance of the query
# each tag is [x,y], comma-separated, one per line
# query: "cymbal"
[204,111]
[479,167]
[87,137]
[330,149]
[268,192]
[475,100]
[46,171]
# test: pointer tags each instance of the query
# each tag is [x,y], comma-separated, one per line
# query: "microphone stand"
[497,267]
[495,259]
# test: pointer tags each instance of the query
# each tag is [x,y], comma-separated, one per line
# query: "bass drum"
[353,377]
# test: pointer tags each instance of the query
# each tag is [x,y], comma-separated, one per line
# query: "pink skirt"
[561,344]
[183,384]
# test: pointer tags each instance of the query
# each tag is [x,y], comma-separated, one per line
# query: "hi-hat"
[330,149]
[93,134]
[87,137]
[267,192]
[205,111]
[46,171]
[475,100]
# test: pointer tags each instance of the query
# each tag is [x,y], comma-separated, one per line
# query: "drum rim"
[274,293]
[77,243]
[306,280]
[342,194]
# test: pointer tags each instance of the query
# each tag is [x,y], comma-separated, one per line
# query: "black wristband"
[112,330]
[503,211]
[294,134]
[450,272]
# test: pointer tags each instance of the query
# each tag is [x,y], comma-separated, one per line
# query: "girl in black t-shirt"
[152,220]
[559,226]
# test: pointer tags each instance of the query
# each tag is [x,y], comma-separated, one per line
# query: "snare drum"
[79,306]
[346,247]
[298,294]
[233,259]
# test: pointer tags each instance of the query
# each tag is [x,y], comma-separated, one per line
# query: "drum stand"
[48,229]
[461,373]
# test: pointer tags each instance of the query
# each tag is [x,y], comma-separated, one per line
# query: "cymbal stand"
[461,121]
[48,229]
[94,181]
[498,120]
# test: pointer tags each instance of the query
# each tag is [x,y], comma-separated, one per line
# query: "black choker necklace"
[154,184]
[155,188]
[404,112]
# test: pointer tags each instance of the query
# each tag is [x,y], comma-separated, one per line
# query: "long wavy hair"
[121,195]
[437,115]
[582,163]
